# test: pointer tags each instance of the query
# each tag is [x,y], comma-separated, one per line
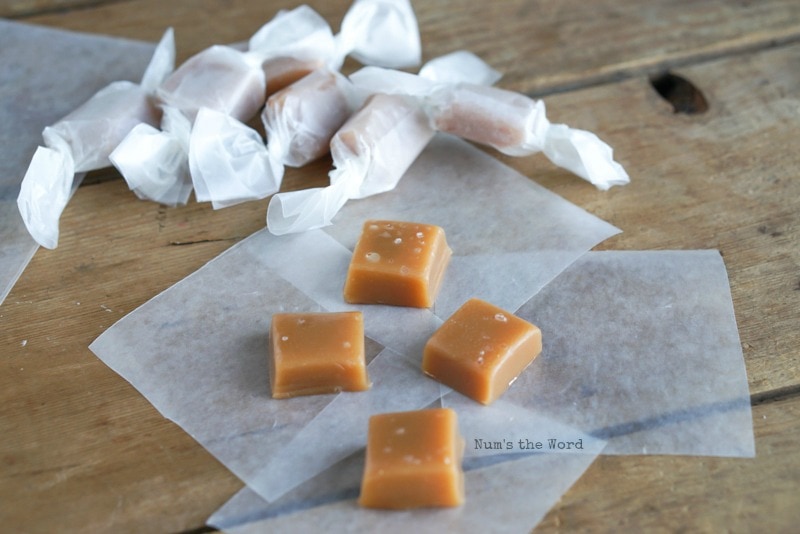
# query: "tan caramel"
[397,263]
[413,460]
[282,71]
[480,350]
[314,353]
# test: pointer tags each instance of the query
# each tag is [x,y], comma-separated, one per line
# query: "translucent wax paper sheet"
[198,351]
[373,149]
[341,426]
[503,494]
[506,428]
[641,349]
[460,66]
[509,236]
[82,141]
[499,429]
[46,73]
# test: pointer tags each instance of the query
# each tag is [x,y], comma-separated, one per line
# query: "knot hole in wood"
[682,94]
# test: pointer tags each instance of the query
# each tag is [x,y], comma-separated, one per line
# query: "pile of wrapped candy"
[186,129]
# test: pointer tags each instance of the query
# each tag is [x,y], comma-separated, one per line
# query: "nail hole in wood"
[680,92]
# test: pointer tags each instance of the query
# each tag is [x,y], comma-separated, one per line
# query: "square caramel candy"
[315,353]
[397,263]
[480,350]
[413,460]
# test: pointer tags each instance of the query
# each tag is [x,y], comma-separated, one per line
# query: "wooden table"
[81,450]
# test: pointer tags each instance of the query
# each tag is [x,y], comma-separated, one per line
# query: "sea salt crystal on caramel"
[413,460]
[480,350]
[397,263]
[316,353]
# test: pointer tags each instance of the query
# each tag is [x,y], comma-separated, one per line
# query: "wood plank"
[540,46]
[544,47]
[693,494]
[78,441]
[28,8]
[723,179]
[197,25]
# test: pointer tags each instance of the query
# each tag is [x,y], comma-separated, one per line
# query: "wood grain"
[692,494]
[81,450]
[723,180]
[541,46]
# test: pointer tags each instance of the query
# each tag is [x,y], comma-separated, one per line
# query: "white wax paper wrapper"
[300,120]
[381,32]
[641,349]
[82,141]
[153,161]
[503,494]
[459,66]
[229,161]
[371,152]
[499,429]
[198,351]
[46,73]
[374,32]
[509,235]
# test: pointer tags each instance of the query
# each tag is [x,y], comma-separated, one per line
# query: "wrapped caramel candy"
[374,148]
[510,122]
[153,161]
[229,161]
[300,120]
[83,140]
[371,152]
[236,83]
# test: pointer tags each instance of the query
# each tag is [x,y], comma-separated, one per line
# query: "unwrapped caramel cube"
[413,460]
[397,263]
[480,350]
[315,353]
